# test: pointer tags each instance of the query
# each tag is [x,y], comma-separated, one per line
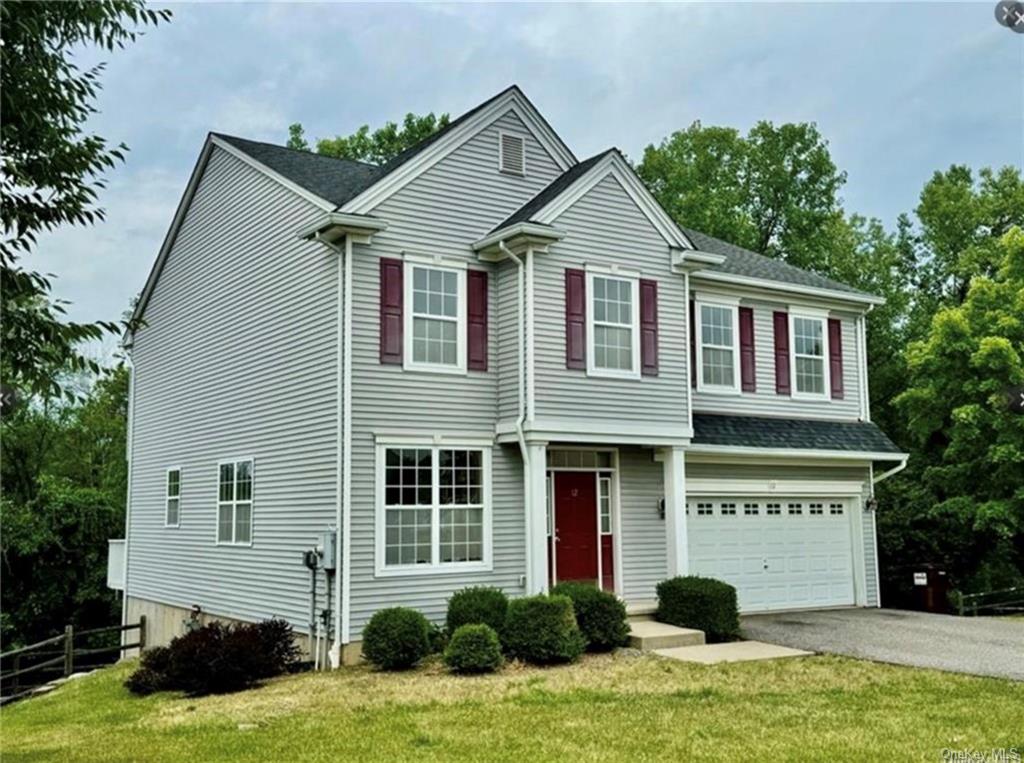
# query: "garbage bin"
[931,589]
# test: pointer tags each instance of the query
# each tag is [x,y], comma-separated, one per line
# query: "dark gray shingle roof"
[743,262]
[335,180]
[768,432]
[552,190]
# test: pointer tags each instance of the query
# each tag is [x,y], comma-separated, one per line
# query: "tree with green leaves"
[52,169]
[376,147]
[968,439]
[773,191]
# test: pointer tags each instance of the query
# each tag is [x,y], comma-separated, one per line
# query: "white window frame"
[436,566]
[634,284]
[234,504]
[734,310]
[822,318]
[168,497]
[435,263]
[501,152]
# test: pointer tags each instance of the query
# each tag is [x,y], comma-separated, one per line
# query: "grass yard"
[608,707]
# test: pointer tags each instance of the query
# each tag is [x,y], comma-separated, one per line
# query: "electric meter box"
[329,544]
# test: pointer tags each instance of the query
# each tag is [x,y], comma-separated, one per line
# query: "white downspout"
[690,357]
[522,376]
[129,448]
[886,475]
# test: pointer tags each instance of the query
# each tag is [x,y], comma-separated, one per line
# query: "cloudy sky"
[898,90]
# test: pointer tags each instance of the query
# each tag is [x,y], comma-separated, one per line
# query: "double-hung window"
[810,356]
[434,512]
[718,337]
[435,299]
[614,329]
[234,502]
[172,502]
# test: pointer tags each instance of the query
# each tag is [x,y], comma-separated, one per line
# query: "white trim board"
[769,487]
[784,286]
[512,101]
[616,166]
[808,453]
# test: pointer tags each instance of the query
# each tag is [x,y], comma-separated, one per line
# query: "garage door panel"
[778,553]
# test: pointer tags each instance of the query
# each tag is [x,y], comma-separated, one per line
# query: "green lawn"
[610,707]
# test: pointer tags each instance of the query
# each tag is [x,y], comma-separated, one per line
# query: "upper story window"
[511,153]
[614,318]
[435,318]
[434,508]
[717,333]
[810,351]
[172,505]
[234,502]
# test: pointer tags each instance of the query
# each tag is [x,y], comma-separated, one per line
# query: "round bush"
[396,638]
[144,682]
[542,630]
[473,648]
[702,603]
[600,615]
[477,605]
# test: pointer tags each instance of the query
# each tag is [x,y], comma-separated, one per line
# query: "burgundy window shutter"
[575,319]
[835,357]
[648,327]
[476,320]
[693,345]
[391,296]
[781,353]
[748,376]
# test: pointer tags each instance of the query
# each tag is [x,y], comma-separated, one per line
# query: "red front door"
[576,526]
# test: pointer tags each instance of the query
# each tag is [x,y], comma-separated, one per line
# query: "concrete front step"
[648,635]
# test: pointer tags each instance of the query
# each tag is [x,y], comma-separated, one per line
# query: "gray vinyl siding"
[506,318]
[870,559]
[606,227]
[644,550]
[765,401]
[237,359]
[444,210]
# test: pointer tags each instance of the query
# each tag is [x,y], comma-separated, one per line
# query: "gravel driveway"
[983,646]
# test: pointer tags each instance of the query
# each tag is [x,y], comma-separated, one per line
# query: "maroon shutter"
[835,357]
[391,311]
[648,327]
[781,353]
[693,346]
[575,319]
[747,375]
[476,320]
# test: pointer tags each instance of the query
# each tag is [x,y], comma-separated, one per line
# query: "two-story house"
[483,363]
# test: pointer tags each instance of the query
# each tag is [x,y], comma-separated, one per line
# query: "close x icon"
[1011,14]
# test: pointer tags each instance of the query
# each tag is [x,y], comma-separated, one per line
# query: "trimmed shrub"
[477,605]
[542,630]
[702,603]
[473,648]
[438,638]
[396,638]
[600,615]
[217,658]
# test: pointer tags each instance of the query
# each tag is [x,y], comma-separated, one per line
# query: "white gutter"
[499,237]
[764,283]
[887,474]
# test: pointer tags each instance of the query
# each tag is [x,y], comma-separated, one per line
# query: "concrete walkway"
[734,651]
[983,646]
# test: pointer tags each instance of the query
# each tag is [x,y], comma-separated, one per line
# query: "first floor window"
[718,341]
[234,505]
[615,312]
[434,506]
[809,353]
[172,508]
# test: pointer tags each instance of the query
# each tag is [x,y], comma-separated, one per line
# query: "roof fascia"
[815,453]
[832,295]
[406,173]
[616,166]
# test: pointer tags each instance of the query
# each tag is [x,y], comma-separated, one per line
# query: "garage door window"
[835,508]
[751,509]
[705,510]
[773,509]
[796,508]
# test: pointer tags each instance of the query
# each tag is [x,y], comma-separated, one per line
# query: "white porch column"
[535,488]
[676,541]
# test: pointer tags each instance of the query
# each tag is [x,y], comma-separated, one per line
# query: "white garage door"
[779,553]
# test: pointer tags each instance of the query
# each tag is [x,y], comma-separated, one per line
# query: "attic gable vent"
[511,153]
